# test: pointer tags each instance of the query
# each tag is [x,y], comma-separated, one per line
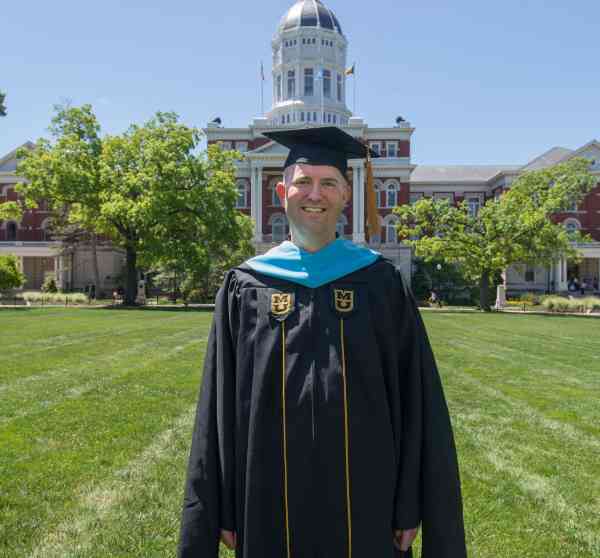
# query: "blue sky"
[482,82]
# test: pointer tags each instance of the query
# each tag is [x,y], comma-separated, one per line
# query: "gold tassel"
[372,215]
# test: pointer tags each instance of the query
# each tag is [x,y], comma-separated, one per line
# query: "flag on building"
[350,71]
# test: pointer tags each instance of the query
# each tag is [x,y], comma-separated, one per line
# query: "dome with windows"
[310,13]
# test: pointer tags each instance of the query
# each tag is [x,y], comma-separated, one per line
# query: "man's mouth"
[313,209]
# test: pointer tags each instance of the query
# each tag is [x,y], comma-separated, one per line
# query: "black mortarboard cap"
[321,146]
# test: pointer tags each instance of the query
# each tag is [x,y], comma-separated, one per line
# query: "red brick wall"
[403,146]
[588,214]
[30,228]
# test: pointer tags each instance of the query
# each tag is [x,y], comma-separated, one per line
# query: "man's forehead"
[299,170]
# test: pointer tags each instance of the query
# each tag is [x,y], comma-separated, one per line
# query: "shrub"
[562,304]
[49,285]
[531,298]
[34,297]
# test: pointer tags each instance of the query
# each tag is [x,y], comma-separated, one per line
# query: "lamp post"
[439,294]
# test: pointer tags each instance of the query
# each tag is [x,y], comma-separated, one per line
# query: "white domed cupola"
[309,63]
[310,13]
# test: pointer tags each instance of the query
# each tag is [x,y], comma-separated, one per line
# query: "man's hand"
[403,539]
[228,539]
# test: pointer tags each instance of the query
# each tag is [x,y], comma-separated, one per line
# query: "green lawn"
[96,408]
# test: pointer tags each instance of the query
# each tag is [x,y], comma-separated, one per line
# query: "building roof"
[458,173]
[310,13]
[547,159]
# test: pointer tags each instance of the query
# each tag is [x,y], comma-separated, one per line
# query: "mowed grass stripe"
[78,534]
[568,404]
[29,404]
[80,441]
[45,326]
[523,343]
[107,339]
[555,442]
[521,379]
[35,396]
[548,468]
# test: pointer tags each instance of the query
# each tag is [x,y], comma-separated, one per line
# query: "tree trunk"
[484,288]
[97,280]
[131,277]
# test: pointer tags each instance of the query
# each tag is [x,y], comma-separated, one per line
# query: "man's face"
[314,197]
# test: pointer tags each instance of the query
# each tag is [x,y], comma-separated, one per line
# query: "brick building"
[39,254]
[310,89]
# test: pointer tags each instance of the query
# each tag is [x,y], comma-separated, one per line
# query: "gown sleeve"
[428,490]
[209,495]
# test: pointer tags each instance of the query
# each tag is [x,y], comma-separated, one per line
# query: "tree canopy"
[516,228]
[149,190]
[2,105]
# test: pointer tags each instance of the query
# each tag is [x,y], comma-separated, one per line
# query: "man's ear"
[281,192]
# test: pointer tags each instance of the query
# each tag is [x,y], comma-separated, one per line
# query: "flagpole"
[262,89]
[354,94]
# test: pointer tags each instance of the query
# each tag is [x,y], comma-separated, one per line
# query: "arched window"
[391,193]
[341,225]
[11,232]
[279,227]
[243,191]
[572,225]
[390,234]
[380,193]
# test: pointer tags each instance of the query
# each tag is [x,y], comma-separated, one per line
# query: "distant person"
[435,299]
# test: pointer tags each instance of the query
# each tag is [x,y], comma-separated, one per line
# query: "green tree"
[2,105]
[516,229]
[64,172]
[167,204]
[149,190]
[10,274]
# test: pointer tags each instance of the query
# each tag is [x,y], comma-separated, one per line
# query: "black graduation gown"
[321,424]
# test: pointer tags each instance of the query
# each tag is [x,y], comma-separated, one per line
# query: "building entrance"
[584,276]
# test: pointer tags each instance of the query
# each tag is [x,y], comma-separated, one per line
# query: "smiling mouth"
[314,209]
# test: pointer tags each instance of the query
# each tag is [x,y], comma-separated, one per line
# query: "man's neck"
[311,244]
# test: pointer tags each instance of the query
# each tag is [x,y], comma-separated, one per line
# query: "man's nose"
[315,191]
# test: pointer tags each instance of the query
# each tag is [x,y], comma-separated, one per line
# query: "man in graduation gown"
[322,430]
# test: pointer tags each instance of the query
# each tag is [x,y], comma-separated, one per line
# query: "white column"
[256,200]
[561,280]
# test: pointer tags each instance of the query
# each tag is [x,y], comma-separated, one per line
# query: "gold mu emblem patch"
[344,300]
[281,303]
